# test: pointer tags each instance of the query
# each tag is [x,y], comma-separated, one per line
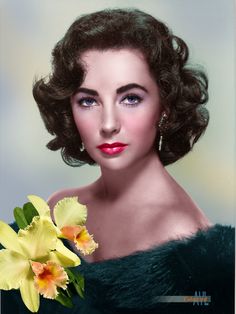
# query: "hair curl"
[183,90]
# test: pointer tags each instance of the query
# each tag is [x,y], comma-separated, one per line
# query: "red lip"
[116,144]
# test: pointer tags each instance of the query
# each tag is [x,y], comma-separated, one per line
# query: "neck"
[144,178]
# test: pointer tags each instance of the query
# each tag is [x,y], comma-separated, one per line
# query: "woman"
[122,96]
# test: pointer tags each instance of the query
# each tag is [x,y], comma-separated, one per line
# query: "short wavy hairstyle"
[183,89]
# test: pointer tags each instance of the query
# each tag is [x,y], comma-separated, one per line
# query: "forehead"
[115,65]
[112,53]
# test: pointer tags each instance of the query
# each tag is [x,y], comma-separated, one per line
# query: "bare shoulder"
[83,193]
[176,223]
[185,223]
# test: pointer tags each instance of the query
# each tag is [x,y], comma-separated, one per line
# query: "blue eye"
[86,102]
[131,100]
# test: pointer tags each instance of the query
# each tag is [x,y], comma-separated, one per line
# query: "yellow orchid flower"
[70,217]
[67,212]
[37,243]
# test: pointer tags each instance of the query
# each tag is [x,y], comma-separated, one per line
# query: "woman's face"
[117,102]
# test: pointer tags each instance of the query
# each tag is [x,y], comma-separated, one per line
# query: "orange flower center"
[48,277]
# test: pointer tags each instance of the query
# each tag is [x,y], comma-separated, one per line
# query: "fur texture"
[201,263]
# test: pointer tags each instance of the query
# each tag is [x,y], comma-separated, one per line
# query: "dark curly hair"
[183,90]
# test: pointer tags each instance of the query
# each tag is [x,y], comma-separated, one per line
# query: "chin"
[119,164]
[115,164]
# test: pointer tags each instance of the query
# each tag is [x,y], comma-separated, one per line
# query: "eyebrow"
[119,90]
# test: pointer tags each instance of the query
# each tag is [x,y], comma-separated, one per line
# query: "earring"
[161,128]
[82,147]
[160,143]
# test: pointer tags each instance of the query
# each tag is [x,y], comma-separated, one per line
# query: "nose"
[110,123]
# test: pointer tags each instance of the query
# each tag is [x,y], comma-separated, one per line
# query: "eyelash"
[137,98]
[81,100]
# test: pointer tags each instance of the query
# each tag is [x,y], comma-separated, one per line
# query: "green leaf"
[77,280]
[20,218]
[68,292]
[70,274]
[80,280]
[75,276]
[79,284]
[30,212]
[64,300]
[79,289]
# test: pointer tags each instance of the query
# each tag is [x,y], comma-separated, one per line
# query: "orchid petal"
[64,256]
[69,232]
[85,242]
[29,294]
[69,211]
[41,206]
[13,269]
[8,238]
[49,277]
[38,238]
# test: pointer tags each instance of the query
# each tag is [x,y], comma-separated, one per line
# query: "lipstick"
[113,148]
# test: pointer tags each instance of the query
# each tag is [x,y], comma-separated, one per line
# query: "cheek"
[85,127]
[142,127]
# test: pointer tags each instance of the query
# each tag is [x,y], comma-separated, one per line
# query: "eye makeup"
[85,102]
[130,100]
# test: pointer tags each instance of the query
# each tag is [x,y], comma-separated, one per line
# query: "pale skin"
[135,204]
